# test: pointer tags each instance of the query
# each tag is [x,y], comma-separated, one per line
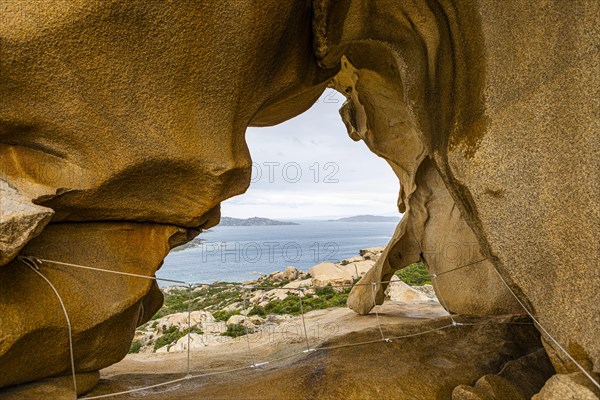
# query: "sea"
[239,253]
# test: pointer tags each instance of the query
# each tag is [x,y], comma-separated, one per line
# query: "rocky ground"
[224,311]
[250,341]
[501,354]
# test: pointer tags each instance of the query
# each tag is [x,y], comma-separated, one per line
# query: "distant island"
[367,218]
[254,221]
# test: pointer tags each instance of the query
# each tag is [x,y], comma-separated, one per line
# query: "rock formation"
[485,113]
[124,123]
[122,129]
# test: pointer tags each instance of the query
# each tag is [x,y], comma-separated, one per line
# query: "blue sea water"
[238,253]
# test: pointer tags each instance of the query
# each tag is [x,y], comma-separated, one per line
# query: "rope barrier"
[304,324]
[35,269]
[436,287]
[231,285]
[42,260]
[189,332]
[373,286]
[587,374]
[33,263]
[245,313]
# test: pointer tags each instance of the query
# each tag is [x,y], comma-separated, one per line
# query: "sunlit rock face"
[103,308]
[136,111]
[122,127]
[122,123]
[497,147]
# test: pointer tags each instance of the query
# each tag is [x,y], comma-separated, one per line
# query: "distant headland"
[367,218]
[254,221]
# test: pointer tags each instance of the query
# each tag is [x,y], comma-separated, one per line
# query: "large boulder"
[180,320]
[124,123]
[103,308]
[400,291]
[327,273]
[574,386]
[137,111]
[487,112]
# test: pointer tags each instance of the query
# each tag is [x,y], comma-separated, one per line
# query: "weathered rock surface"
[523,167]
[422,367]
[400,291]
[136,112]
[330,273]
[103,308]
[20,220]
[60,388]
[519,379]
[574,386]
[485,113]
[127,113]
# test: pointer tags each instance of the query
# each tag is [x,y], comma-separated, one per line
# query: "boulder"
[330,273]
[495,151]
[99,304]
[400,291]
[298,284]
[20,221]
[57,388]
[113,115]
[289,274]
[574,386]
[519,379]
[357,269]
[242,320]
[196,342]
[427,290]
[180,320]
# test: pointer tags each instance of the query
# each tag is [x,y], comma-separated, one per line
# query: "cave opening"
[318,213]
[339,196]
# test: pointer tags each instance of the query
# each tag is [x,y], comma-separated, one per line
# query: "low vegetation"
[136,345]
[415,274]
[225,300]
[326,297]
[235,330]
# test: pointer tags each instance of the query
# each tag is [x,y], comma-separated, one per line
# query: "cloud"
[308,166]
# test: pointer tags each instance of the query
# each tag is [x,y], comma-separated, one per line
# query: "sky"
[309,168]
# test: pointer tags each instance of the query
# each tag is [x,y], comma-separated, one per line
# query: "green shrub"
[324,297]
[234,330]
[415,274]
[195,329]
[169,337]
[136,345]
[224,315]
[258,310]
[289,305]
[325,291]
